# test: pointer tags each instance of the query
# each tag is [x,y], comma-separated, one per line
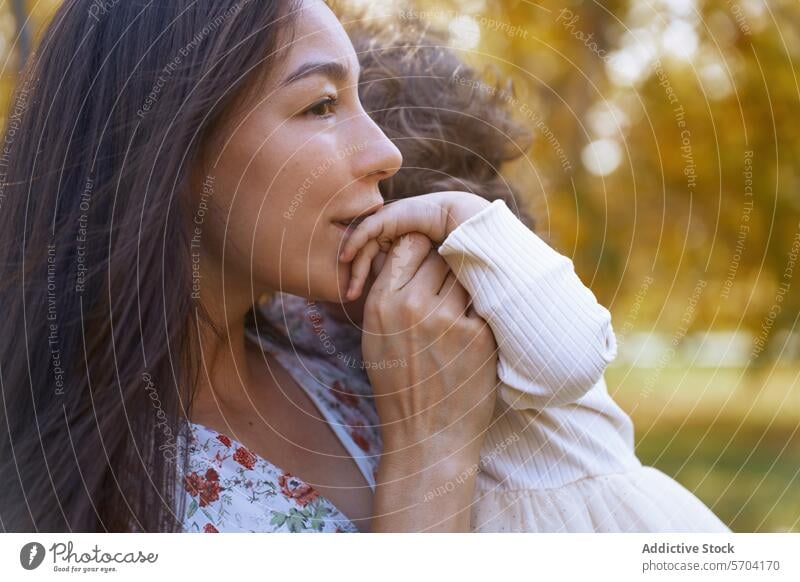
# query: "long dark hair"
[97,356]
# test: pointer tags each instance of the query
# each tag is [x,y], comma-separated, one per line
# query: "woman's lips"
[345,229]
[354,220]
[347,225]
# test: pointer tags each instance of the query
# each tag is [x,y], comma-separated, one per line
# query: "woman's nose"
[379,158]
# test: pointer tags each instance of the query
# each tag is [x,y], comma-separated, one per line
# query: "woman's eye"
[322,108]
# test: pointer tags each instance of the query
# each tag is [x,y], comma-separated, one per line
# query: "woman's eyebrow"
[331,69]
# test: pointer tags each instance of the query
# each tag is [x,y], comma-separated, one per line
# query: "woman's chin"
[338,293]
[333,286]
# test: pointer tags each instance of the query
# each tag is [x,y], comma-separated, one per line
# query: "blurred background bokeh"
[666,163]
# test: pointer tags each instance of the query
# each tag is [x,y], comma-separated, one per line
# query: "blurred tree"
[667,149]
[666,145]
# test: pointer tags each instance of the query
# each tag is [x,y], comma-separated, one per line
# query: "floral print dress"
[228,488]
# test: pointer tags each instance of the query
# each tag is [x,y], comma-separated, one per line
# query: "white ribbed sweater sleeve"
[554,339]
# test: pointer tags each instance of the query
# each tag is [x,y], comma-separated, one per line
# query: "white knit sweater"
[559,453]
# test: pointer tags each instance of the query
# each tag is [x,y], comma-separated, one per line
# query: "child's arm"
[554,338]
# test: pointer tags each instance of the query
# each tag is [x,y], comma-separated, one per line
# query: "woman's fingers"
[404,258]
[431,274]
[377,263]
[447,283]
[454,294]
[428,278]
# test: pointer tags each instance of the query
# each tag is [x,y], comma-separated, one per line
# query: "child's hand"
[434,215]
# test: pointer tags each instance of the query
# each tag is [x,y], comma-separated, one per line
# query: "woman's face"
[292,169]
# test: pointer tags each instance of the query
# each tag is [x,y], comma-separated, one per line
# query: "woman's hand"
[435,215]
[434,393]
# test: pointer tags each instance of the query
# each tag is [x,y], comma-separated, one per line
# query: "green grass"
[733,440]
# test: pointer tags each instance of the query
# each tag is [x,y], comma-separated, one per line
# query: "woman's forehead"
[319,36]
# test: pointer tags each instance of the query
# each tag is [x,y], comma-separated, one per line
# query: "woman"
[165,165]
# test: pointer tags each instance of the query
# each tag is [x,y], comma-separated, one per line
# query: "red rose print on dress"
[246,492]
[219,459]
[360,441]
[293,488]
[357,434]
[193,483]
[244,457]
[206,488]
[343,394]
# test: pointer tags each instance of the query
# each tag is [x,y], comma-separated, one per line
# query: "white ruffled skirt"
[641,500]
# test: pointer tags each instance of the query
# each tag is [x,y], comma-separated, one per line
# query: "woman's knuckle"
[376,305]
[450,315]
[486,339]
[413,309]
[418,242]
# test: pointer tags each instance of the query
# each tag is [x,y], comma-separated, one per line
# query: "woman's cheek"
[329,277]
[299,264]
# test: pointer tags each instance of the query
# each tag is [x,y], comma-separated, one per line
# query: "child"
[558,455]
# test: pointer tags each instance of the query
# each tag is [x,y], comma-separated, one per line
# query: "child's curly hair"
[454,129]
